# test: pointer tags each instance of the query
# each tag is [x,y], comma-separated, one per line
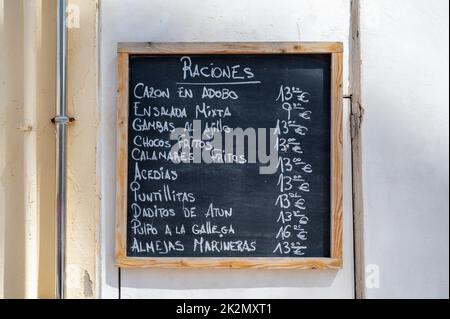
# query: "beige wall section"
[27,148]
[11,162]
[45,151]
[83,195]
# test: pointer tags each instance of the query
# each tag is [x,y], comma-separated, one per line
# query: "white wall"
[404,46]
[216,20]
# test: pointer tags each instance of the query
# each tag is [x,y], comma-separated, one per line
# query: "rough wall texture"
[83,195]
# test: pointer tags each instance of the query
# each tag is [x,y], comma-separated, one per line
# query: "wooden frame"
[335,49]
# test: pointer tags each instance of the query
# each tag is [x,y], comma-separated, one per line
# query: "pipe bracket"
[63,120]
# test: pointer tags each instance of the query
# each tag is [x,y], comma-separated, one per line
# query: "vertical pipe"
[61,121]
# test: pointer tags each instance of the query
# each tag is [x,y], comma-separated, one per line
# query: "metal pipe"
[61,120]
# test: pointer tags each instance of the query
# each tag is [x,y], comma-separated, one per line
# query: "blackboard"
[191,199]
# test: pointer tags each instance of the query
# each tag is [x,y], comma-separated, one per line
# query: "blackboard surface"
[238,211]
